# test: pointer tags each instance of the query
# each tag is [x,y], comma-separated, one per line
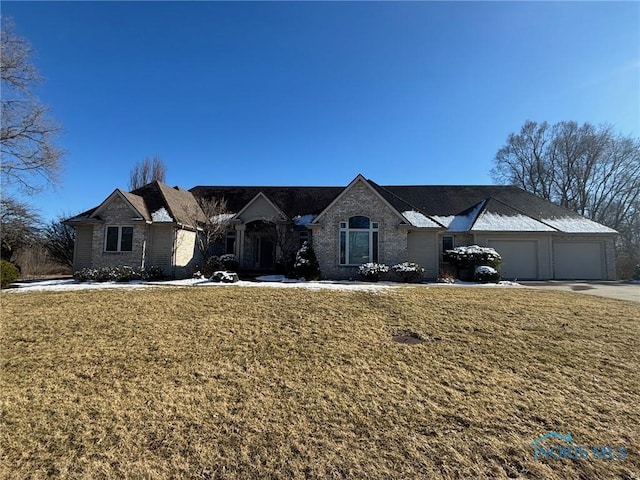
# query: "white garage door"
[519,258]
[578,260]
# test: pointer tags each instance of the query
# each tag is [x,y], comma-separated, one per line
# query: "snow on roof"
[494,222]
[577,225]
[418,219]
[444,219]
[304,219]
[222,217]
[161,215]
[459,223]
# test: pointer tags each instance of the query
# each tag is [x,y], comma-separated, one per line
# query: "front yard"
[247,383]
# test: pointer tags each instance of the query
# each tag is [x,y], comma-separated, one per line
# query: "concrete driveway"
[618,290]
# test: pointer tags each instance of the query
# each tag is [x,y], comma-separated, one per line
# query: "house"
[362,222]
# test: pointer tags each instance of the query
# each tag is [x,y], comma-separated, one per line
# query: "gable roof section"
[154,202]
[255,199]
[135,202]
[360,178]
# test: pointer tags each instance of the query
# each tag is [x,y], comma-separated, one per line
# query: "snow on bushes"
[486,274]
[306,263]
[408,271]
[224,277]
[372,272]
[473,256]
[215,263]
[120,273]
[467,258]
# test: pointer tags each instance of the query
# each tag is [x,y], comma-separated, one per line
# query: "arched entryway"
[259,246]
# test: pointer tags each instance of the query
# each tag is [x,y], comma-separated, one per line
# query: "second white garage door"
[578,260]
[519,258]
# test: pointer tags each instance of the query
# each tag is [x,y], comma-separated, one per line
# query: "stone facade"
[360,199]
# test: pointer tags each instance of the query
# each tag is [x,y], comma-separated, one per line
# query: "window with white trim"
[118,239]
[358,241]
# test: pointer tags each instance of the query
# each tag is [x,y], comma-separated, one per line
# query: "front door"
[264,253]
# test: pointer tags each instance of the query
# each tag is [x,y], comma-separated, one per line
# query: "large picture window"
[119,239]
[358,241]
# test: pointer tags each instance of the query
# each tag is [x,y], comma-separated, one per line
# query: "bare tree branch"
[30,158]
[147,171]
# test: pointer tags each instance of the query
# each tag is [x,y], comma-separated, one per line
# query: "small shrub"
[486,274]
[211,265]
[408,271]
[120,273]
[372,272]
[104,274]
[152,273]
[306,263]
[229,262]
[9,273]
[216,263]
[467,258]
[124,273]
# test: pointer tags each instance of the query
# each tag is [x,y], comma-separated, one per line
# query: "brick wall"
[119,213]
[358,200]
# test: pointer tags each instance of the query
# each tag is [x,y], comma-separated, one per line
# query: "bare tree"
[147,171]
[212,222]
[29,154]
[59,241]
[19,224]
[590,170]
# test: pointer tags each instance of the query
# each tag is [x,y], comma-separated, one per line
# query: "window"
[358,241]
[447,243]
[119,239]
[230,243]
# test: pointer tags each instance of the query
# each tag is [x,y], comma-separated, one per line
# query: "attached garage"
[519,258]
[574,260]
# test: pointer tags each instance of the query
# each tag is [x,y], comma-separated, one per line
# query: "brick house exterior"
[158,225]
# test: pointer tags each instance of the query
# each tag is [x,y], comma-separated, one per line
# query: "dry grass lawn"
[258,383]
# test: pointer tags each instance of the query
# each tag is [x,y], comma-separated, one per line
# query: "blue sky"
[298,93]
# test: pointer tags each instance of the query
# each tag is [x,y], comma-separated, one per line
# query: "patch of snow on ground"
[577,225]
[71,285]
[161,215]
[459,283]
[349,285]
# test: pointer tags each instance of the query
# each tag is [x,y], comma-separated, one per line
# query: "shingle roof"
[455,206]
[179,203]
[458,208]
[293,201]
